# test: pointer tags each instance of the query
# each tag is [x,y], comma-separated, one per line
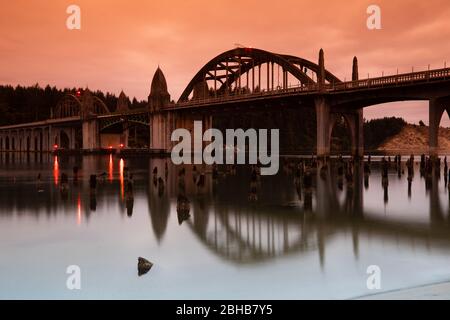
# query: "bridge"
[238,80]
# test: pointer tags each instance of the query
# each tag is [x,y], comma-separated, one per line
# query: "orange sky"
[122,41]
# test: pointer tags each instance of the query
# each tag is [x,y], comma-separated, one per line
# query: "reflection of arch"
[241,61]
[252,237]
[7,143]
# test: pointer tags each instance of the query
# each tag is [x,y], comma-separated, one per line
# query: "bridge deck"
[406,79]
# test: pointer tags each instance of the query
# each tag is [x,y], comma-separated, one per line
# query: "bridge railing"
[239,96]
[394,80]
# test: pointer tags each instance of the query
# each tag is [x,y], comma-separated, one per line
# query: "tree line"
[33,103]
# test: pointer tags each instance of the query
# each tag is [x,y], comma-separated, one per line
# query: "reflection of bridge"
[223,219]
[247,234]
[243,232]
[241,79]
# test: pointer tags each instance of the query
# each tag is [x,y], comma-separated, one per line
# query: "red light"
[78,93]
[110,147]
[55,146]
[121,145]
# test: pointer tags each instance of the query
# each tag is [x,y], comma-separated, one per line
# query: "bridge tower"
[159,99]
[326,115]
[323,112]
[90,128]
[357,125]
[355,72]
[123,106]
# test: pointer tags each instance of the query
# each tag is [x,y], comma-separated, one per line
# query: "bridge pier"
[436,109]
[159,128]
[323,127]
[160,121]
[356,124]
[91,134]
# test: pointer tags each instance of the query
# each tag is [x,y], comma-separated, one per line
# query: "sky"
[122,42]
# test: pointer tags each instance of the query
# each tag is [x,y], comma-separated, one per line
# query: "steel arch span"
[72,106]
[229,68]
[68,106]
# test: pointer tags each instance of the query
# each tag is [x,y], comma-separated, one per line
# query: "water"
[278,247]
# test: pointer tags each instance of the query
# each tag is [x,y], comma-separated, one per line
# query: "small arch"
[64,140]
[341,134]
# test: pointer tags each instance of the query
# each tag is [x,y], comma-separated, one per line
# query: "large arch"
[240,61]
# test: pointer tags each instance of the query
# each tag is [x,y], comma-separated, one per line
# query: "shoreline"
[430,291]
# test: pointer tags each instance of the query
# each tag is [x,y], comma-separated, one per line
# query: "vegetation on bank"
[377,131]
[25,104]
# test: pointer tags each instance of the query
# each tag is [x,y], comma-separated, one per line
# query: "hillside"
[413,138]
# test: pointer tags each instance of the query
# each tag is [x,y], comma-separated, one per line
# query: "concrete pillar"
[323,127]
[91,134]
[73,138]
[125,136]
[207,124]
[170,126]
[49,139]
[158,131]
[436,108]
[356,122]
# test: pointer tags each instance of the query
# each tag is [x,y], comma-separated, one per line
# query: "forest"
[26,104]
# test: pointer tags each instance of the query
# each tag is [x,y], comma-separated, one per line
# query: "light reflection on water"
[289,243]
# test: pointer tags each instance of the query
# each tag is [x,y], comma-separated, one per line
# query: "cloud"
[123,41]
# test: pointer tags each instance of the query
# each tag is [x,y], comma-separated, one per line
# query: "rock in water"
[144,266]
